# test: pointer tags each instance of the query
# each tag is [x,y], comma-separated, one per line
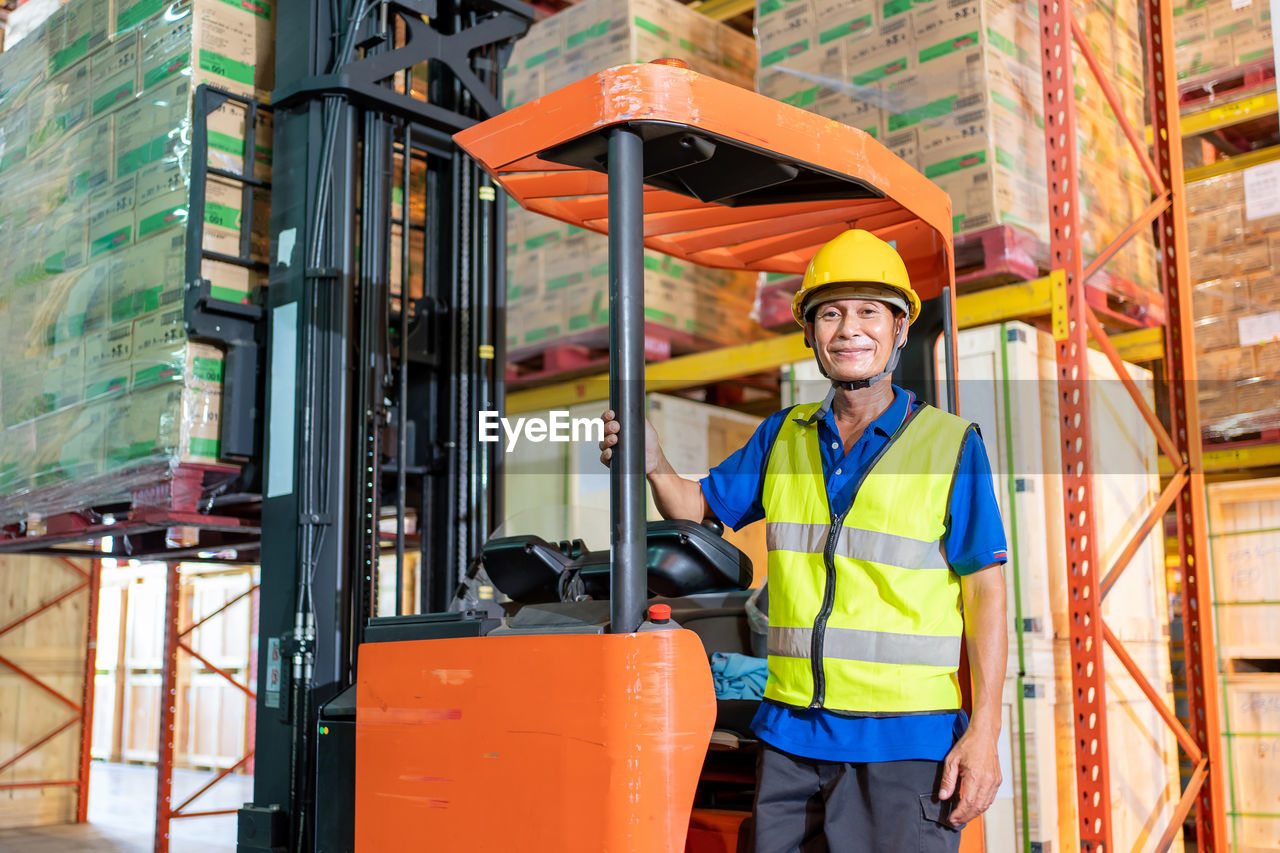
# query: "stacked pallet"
[1008,389]
[1217,39]
[954,89]
[211,715]
[557,275]
[50,646]
[1233,232]
[98,380]
[1244,537]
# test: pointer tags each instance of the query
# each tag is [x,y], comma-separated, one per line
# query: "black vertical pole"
[626,378]
[949,351]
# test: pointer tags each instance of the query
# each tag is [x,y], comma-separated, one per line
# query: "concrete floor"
[122,815]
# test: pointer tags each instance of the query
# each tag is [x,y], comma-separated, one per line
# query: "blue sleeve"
[975,533]
[734,488]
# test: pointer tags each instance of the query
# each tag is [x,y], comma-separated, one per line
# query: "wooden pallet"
[1236,441]
[158,505]
[1209,89]
[1122,304]
[995,256]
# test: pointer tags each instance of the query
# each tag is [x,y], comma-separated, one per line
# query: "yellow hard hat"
[852,258]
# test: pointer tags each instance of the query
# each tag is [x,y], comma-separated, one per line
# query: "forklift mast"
[370,378]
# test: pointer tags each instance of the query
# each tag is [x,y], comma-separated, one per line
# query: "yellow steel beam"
[1225,115]
[1253,456]
[723,10]
[1232,164]
[684,372]
[1208,119]
[1008,302]
[1139,345]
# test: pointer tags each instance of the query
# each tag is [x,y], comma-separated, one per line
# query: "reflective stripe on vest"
[864,611]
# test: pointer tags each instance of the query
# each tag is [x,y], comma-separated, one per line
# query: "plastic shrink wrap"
[101,393]
[1233,232]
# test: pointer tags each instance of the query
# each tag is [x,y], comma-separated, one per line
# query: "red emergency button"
[660,613]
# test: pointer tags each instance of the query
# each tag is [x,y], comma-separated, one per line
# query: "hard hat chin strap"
[854,385]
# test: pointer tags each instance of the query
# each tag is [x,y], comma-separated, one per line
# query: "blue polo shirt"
[974,539]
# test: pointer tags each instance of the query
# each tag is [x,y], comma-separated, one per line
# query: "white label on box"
[1239,4]
[1262,190]
[1259,329]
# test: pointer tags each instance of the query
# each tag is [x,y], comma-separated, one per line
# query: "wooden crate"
[1125,484]
[1002,823]
[1244,537]
[1143,751]
[209,722]
[52,647]
[1251,743]
[216,730]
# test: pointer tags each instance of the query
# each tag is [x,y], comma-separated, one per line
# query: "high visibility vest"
[864,610]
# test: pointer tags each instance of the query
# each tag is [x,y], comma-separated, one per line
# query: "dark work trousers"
[808,806]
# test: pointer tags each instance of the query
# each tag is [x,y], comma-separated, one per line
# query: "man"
[885,550]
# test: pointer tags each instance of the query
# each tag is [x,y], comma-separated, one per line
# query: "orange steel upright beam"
[86,695]
[1088,692]
[1180,371]
[168,705]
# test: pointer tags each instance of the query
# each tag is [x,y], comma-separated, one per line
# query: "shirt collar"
[889,420]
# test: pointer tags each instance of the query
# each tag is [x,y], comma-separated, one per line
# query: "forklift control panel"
[683,558]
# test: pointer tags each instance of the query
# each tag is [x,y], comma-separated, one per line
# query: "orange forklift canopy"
[732,178]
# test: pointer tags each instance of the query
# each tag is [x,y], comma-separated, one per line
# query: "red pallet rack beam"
[1153,516]
[206,618]
[178,810]
[174,643]
[1153,421]
[1181,444]
[32,747]
[168,706]
[1093,774]
[1206,788]
[86,696]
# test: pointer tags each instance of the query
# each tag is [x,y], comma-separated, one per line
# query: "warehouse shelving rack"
[1062,297]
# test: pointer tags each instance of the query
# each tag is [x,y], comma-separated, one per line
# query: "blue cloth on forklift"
[738,676]
[974,539]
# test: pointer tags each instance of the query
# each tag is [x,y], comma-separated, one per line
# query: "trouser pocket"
[937,835]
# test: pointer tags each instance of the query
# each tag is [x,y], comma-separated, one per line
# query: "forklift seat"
[684,558]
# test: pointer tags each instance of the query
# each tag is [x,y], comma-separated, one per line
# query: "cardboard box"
[111,216]
[161,197]
[233,45]
[223,218]
[115,74]
[196,366]
[225,127]
[145,130]
[77,30]
[592,36]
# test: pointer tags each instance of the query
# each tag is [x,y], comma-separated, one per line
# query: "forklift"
[580,718]
[583,721]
